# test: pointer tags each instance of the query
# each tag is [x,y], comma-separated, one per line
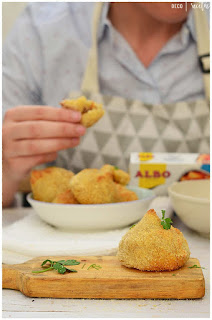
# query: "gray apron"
[132,126]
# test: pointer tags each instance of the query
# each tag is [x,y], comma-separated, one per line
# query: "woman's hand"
[32,135]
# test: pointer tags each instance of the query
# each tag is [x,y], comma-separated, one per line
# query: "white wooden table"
[16,305]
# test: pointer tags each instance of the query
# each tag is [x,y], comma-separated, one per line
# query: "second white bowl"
[191,201]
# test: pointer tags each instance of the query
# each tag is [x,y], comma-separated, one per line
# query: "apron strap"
[203,46]
[90,81]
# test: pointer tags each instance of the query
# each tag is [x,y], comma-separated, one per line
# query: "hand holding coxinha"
[32,135]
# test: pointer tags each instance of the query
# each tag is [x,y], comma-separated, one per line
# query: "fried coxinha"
[89,186]
[150,245]
[51,184]
[90,110]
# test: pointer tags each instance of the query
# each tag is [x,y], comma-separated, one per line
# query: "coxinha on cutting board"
[150,245]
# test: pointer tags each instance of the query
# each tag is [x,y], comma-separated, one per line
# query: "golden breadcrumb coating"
[108,168]
[90,110]
[149,247]
[92,186]
[119,175]
[123,194]
[65,197]
[47,183]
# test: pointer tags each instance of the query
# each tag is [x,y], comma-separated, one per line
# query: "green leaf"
[44,270]
[95,266]
[163,213]
[132,226]
[61,261]
[71,263]
[45,261]
[59,267]
[196,266]
[71,270]
[166,222]
[116,168]
[62,269]
[163,224]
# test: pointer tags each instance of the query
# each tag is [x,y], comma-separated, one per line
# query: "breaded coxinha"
[52,185]
[123,194]
[149,247]
[90,110]
[118,175]
[92,186]
[65,197]
[89,186]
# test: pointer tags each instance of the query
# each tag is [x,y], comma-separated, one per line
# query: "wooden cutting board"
[112,281]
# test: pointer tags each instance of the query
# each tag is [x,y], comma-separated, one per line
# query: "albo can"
[158,170]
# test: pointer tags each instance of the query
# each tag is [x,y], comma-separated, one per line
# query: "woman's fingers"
[43,129]
[28,113]
[39,159]
[32,135]
[32,147]
[30,161]
[24,134]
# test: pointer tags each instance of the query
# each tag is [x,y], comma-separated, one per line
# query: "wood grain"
[112,281]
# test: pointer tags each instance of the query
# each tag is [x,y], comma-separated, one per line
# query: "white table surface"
[16,305]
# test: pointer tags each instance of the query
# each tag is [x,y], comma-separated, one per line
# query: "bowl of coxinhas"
[107,216]
[191,202]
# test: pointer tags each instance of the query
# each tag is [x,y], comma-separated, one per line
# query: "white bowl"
[94,216]
[191,202]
